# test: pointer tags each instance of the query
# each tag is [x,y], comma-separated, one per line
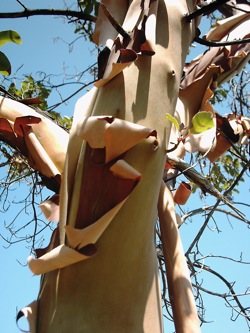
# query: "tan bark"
[179,284]
[117,290]
[46,142]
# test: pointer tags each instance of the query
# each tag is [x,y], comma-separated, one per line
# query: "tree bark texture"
[118,289]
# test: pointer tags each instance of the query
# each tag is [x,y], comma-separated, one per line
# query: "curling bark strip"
[33,133]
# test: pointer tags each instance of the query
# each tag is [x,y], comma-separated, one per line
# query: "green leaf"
[202,122]
[5,67]
[9,36]
[173,121]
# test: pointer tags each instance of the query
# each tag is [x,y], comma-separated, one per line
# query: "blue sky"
[41,50]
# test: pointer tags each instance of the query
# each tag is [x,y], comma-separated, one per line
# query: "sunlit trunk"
[117,289]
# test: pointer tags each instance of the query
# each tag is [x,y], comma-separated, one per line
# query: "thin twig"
[208,208]
[219,44]
[70,96]
[200,232]
[233,294]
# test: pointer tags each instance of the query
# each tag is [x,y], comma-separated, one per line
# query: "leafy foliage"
[89,7]
[31,88]
[220,94]
[224,173]
[64,121]
[7,36]
[86,28]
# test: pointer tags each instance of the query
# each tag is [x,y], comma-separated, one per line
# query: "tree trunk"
[117,289]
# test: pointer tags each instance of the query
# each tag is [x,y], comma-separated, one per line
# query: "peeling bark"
[117,289]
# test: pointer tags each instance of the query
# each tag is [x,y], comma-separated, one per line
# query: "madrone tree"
[113,174]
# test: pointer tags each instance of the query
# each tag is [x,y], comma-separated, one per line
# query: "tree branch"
[202,182]
[219,44]
[205,10]
[200,232]
[209,208]
[49,12]
[228,284]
